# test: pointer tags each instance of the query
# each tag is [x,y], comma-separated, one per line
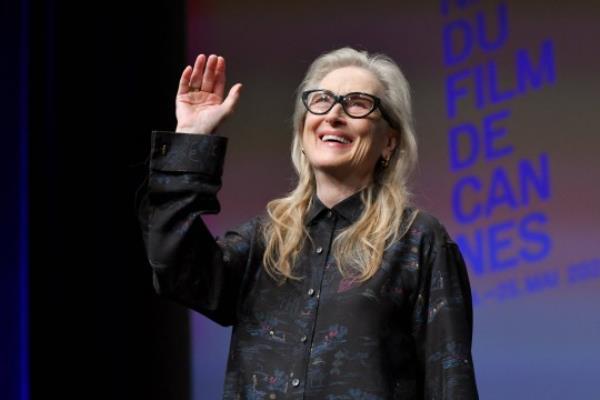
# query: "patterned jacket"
[403,334]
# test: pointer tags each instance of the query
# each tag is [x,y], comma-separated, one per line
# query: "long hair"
[358,249]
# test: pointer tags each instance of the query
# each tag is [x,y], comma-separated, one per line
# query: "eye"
[319,98]
[359,102]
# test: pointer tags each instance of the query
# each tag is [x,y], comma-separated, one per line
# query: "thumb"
[232,97]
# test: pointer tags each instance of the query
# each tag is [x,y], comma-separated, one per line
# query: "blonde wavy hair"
[358,249]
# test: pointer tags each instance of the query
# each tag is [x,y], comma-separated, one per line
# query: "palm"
[200,106]
[194,107]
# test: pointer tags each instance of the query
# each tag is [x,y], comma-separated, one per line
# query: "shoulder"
[425,231]
[424,224]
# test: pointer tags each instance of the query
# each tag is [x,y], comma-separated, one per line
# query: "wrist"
[191,130]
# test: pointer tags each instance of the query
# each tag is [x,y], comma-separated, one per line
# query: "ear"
[392,138]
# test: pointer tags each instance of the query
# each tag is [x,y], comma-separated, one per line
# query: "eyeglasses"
[355,104]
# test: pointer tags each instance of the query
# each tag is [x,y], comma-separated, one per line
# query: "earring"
[384,162]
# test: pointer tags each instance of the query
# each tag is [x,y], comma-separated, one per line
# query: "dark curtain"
[102,75]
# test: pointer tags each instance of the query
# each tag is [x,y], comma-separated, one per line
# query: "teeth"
[335,139]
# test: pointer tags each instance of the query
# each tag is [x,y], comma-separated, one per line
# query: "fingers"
[184,82]
[220,77]
[208,80]
[197,74]
[232,97]
[208,75]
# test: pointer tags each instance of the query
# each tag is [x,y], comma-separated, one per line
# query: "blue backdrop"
[506,102]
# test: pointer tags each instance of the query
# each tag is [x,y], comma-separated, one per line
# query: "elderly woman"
[340,290]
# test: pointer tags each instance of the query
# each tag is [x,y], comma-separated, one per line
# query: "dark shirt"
[403,334]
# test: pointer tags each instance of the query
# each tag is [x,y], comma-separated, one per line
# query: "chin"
[324,163]
[334,168]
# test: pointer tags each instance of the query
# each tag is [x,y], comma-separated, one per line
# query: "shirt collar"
[350,208]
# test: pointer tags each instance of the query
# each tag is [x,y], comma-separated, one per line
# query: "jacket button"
[319,250]
[295,382]
[311,291]
[303,339]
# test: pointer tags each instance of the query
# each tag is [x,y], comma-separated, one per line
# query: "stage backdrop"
[506,98]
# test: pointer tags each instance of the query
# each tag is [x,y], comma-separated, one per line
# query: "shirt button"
[319,250]
[311,291]
[303,339]
[295,382]
[329,214]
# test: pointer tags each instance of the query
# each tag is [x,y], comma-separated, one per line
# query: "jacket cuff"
[181,152]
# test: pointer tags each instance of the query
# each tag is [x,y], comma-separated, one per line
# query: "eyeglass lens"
[355,104]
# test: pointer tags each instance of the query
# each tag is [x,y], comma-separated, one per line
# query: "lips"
[335,137]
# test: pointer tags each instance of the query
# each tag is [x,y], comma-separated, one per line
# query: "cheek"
[369,148]
[306,142]
[311,122]
[308,129]
[365,151]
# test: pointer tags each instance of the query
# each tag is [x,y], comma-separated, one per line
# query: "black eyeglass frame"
[340,99]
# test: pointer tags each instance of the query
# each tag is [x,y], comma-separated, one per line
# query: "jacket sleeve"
[443,323]
[189,265]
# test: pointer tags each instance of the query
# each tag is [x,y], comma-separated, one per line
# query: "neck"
[332,189]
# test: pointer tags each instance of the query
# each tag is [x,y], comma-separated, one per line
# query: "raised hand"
[199,104]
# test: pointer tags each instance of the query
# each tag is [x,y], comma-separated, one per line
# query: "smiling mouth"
[335,138]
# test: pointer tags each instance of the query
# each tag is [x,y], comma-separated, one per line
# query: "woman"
[342,290]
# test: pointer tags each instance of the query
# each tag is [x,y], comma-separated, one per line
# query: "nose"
[335,114]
